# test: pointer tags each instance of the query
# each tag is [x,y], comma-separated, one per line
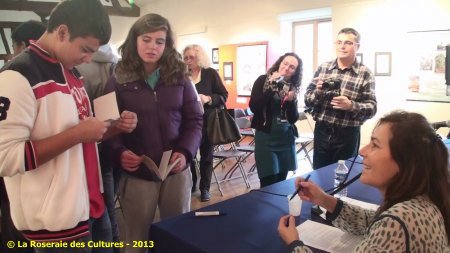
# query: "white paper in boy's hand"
[106,108]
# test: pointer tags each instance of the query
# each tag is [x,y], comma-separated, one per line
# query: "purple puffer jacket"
[169,117]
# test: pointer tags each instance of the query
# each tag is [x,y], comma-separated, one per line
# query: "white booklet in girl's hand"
[164,167]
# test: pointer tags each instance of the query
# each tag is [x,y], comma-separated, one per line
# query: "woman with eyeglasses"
[213,94]
[408,163]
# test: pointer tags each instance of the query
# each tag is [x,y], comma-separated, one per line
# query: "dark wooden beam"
[44,8]
[5,41]
[38,7]
[9,24]
[118,10]
[5,57]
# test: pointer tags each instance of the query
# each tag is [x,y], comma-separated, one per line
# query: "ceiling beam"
[5,41]
[42,8]
[9,24]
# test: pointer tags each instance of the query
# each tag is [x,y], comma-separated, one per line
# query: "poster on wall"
[426,65]
[251,61]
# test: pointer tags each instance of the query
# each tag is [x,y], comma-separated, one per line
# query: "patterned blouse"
[412,226]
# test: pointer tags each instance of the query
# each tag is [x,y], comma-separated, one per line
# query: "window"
[309,34]
[313,42]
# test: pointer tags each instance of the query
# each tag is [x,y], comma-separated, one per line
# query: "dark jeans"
[108,195]
[69,249]
[101,232]
[9,231]
[333,143]
[206,164]
[110,179]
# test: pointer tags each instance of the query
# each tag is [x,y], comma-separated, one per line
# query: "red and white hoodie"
[39,99]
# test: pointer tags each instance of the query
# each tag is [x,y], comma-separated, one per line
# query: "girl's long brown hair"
[171,63]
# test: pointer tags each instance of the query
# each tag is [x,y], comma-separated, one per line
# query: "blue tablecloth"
[251,220]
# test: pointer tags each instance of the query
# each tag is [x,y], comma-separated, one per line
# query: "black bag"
[221,127]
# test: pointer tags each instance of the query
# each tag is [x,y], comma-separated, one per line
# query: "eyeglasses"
[346,43]
[190,57]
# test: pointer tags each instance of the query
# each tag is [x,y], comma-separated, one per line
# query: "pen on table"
[299,188]
[210,213]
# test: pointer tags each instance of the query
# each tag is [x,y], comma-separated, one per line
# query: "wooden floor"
[236,187]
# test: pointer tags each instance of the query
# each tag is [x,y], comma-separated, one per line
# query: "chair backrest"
[238,113]
[303,116]
[243,122]
[248,112]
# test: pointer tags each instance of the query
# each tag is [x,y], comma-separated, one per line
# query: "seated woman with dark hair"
[408,163]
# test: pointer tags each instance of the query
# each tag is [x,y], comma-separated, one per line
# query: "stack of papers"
[328,238]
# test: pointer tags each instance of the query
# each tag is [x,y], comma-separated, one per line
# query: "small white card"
[106,108]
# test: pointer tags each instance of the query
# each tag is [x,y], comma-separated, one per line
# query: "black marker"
[299,188]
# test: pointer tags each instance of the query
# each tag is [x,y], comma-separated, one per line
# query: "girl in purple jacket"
[151,81]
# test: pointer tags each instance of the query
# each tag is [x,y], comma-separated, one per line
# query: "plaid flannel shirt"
[357,84]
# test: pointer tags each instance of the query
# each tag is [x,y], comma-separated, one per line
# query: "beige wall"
[383,24]
[217,22]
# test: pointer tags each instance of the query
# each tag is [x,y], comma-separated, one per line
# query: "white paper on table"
[328,238]
[106,108]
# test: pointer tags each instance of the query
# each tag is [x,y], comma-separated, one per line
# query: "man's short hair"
[83,18]
[29,30]
[351,31]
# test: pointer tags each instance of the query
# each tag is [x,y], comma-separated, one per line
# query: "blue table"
[251,220]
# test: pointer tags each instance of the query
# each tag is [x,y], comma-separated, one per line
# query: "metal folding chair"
[223,155]
[305,141]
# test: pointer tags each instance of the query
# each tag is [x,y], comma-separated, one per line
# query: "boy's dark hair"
[29,30]
[83,18]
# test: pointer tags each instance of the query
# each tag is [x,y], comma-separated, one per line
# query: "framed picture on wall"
[383,63]
[359,57]
[228,71]
[251,61]
[215,56]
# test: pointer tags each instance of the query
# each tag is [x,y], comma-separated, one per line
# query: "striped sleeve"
[30,158]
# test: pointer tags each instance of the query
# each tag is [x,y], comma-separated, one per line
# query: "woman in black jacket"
[274,104]
[212,94]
